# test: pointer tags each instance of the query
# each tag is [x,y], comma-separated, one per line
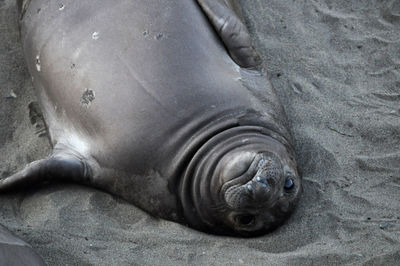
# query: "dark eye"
[245,220]
[289,184]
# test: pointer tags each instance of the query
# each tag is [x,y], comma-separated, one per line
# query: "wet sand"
[336,68]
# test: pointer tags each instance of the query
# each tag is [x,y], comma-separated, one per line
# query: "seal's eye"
[289,184]
[245,219]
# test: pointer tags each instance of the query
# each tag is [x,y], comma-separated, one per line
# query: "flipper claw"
[232,32]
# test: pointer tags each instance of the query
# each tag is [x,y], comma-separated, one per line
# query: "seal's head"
[242,184]
[256,190]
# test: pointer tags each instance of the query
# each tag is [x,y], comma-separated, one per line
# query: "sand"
[336,67]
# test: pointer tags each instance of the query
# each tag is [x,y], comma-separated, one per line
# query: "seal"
[164,103]
[14,251]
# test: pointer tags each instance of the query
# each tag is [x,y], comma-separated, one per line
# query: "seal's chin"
[242,183]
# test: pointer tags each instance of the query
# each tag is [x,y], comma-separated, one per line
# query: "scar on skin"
[87,97]
[95,35]
[38,63]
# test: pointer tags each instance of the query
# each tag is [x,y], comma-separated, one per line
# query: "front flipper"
[232,31]
[57,167]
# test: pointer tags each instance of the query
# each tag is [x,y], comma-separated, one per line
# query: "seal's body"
[164,104]
[15,251]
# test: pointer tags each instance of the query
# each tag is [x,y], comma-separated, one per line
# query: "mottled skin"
[164,103]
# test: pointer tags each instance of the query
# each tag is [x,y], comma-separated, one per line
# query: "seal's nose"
[263,185]
[259,188]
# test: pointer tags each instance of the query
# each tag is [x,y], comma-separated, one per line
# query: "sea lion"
[164,103]
[14,251]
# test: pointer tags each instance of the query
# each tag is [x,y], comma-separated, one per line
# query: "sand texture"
[336,67]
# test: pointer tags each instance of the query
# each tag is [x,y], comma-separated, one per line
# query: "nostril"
[245,220]
[249,188]
[262,179]
[263,182]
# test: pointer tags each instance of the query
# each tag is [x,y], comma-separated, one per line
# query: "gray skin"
[164,103]
[14,251]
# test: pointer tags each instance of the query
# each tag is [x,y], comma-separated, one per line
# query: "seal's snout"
[269,173]
[260,189]
[257,187]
